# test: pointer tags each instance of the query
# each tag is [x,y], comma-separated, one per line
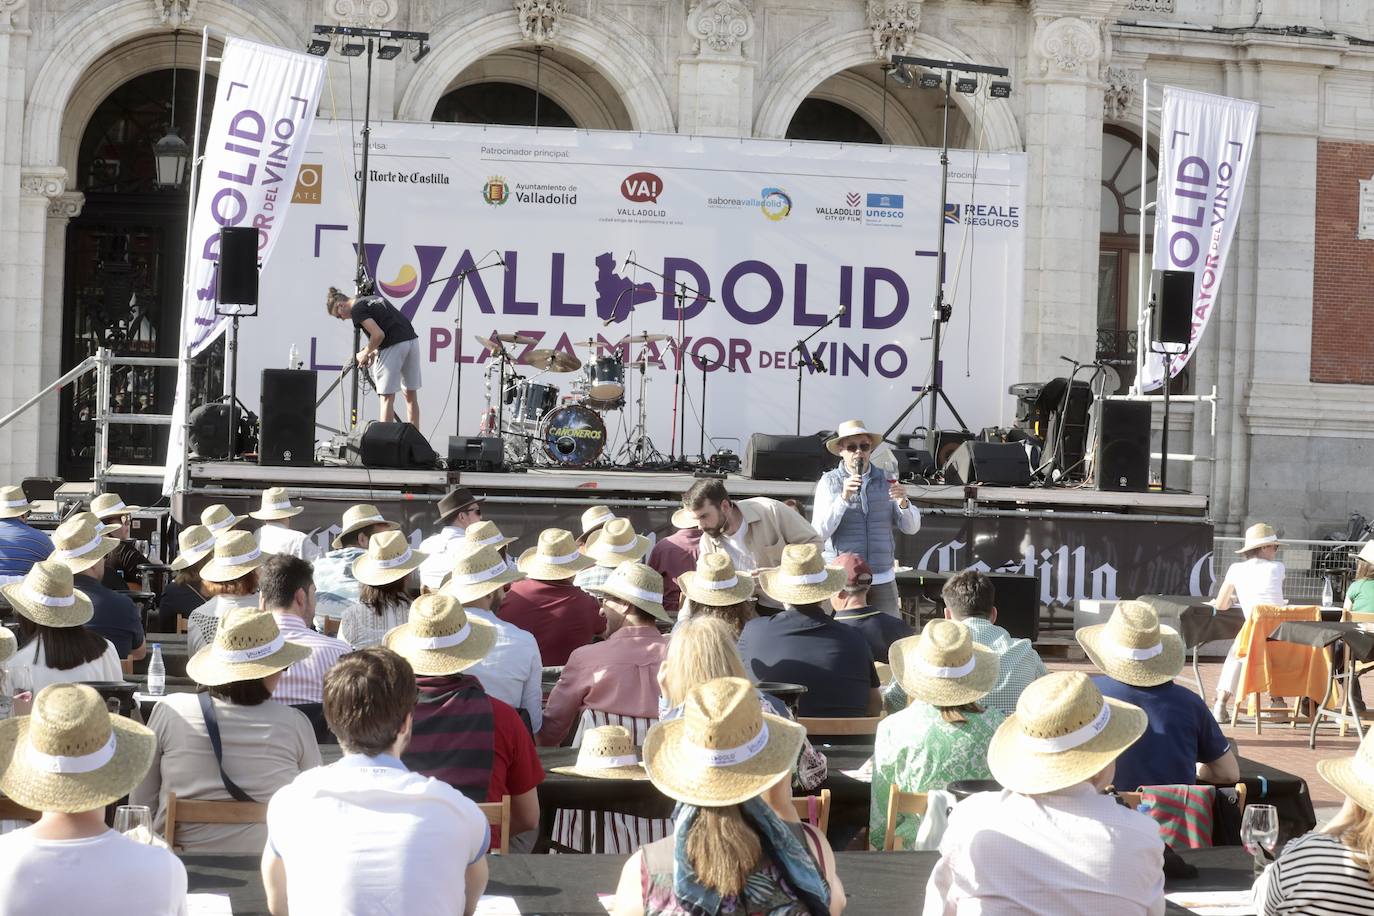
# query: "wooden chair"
[818,727]
[181,623]
[884,673]
[1133,798]
[11,810]
[498,818]
[210,812]
[899,803]
[1279,669]
[126,665]
[814,809]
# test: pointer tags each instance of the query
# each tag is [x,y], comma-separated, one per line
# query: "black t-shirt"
[395,327]
[879,628]
[115,617]
[805,646]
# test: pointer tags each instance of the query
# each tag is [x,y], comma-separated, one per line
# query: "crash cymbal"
[487,345]
[517,338]
[590,343]
[552,360]
[645,337]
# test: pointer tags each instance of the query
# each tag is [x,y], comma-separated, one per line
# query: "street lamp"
[171,152]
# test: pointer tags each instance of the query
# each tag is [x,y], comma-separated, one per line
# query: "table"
[1359,647]
[877,884]
[1199,623]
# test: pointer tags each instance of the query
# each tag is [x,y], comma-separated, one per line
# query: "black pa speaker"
[1173,313]
[288,417]
[770,457]
[1018,604]
[1123,447]
[208,436]
[390,445]
[474,453]
[238,269]
[992,463]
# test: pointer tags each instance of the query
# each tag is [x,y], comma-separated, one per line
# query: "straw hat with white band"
[486,534]
[616,543]
[248,645]
[388,558]
[109,505]
[236,555]
[8,644]
[607,752]
[79,544]
[803,577]
[47,596]
[1367,552]
[684,518]
[72,754]
[943,666]
[479,571]
[440,638]
[218,518]
[715,582]
[276,505]
[639,585]
[724,749]
[1062,733]
[555,557]
[361,516]
[195,543]
[851,428]
[1353,775]
[1258,535]
[595,517]
[101,527]
[13,503]
[1133,648]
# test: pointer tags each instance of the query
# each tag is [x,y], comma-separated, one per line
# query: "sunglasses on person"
[862,446]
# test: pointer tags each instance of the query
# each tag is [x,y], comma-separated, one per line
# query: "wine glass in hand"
[1259,832]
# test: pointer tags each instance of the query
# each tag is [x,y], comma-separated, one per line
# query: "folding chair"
[898,804]
[1277,668]
[814,809]
[498,817]
[210,812]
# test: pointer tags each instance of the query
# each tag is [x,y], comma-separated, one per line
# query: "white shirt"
[512,672]
[441,548]
[361,626]
[738,549]
[1256,582]
[366,835]
[1068,853]
[104,668]
[280,539]
[826,513]
[108,875]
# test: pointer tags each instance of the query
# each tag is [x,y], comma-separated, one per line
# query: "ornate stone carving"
[368,13]
[1150,6]
[539,19]
[66,205]
[1122,85]
[720,25]
[43,181]
[8,9]
[894,24]
[175,13]
[1067,46]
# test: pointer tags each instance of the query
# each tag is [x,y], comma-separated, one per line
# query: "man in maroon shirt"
[674,555]
[547,604]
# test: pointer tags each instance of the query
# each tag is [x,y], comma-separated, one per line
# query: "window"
[1118,302]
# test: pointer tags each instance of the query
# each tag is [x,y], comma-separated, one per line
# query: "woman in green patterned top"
[943,736]
[1359,597]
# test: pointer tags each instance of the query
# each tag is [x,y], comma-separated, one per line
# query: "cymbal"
[517,338]
[591,343]
[487,345]
[553,360]
[644,337]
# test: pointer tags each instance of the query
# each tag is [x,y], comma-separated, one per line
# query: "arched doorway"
[864,104]
[502,87]
[821,119]
[501,103]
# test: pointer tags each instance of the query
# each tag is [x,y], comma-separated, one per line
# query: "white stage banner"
[1205,143]
[779,234]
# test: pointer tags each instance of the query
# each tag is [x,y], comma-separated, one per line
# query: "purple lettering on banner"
[739,354]
[246,125]
[557,306]
[246,178]
[885,367]
[800,316]
[732,305]
[852,357]
[872,320]
[314,359]
[765,359]
[509,304]
[706,343]
[428,256]
[847,295]
[439,338]
[217,209]
[476,286]
[671,268]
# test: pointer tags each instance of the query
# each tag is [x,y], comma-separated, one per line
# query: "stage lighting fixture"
[966,84]
[420,53]
[318,47]
[999,89]
[388,52]
[930,80]
[901,75]
[352,49]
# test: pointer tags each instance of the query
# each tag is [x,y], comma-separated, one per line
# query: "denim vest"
[866,527]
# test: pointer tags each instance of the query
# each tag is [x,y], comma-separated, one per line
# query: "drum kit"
[540,425]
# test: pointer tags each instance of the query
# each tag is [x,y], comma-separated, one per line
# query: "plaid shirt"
[1019,666]
[303,682]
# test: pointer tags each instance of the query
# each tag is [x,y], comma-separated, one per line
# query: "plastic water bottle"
[157,673]
[293,359]
[1328,594]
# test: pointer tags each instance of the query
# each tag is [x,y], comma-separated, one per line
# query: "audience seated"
[8,646]
[457,510]
[219,519]
[880,628]
[334,570]
[365,835]
[460,734]
[512,671]
[261,746]
[275,535]
[386,573]
[287,591]
[187,591]
[593,518]
[730,851]
[674,555]
[803,645]
[716,589]
[121,566]
[609,546]
[70,759]
[1182,744]
[1050,843]
[943,736]
[230,580]
[484,534]
[21,545]
[55,644]
[547,604]
[82,549]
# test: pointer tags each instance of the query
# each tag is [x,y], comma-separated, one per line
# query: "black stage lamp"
[999,89]
[388,52]
[352,49]
[930,80]
[966,84]
[318,47]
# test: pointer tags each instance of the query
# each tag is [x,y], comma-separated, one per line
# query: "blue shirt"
[1181,734]
[114,617]
[21,546]
[831,660]
[878,627]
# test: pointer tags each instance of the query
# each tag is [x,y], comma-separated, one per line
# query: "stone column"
[13,49]
[716,75]
[62,209]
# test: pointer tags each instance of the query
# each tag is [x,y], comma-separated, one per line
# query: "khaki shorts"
[397,366]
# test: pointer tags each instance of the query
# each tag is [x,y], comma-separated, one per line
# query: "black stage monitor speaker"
[238,268]
[390,445]
[769,457]
[991,463]
[288,417]
[1123,447]
[946,441]
[474,453]
[209,433]
[1173,313]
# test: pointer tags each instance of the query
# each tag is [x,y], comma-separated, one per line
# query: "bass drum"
[573,436]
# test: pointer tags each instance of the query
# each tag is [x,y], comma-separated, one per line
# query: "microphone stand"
[462,276]
[805,359]
[703,363]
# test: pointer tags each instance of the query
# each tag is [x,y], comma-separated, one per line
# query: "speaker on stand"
[1171,330]
[236,296]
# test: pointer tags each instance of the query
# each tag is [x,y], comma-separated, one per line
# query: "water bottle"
[1328,593]
[157,673]
[293,360]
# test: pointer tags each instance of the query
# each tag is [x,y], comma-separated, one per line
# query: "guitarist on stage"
[392,345]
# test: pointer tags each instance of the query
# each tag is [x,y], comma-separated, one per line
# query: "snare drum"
[573,436]
[533,402]
[605,378]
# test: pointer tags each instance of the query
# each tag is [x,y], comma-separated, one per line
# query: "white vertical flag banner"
[265,103]
[1205,143]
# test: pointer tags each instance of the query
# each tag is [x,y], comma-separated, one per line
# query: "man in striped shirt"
[286,588]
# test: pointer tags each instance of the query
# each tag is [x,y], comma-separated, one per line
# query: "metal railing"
[1307,565]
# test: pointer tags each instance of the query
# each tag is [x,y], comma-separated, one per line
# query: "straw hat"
[555,557]
[607,752]
[8,644]
[361,516]
[109,505]
[13,503]
[943,666]
[79,543]
[714,582]
[236,555]
[101,527]
[724,749]
[616,543]
[595,517]
[851,428]
[276,505]
[388,558]
[1367,552]
[455,501]
[440,638]
[1258,535]
[194,544]
[479,570]
[1062,733]
[218,518]
[1354,776]
[248,645]
[486,534]
[47,596]
[684,518]
[1133,648]
[72,754]
[803,577]
[639,585]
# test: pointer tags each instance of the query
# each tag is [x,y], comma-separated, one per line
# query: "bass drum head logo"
[775,204]
[496,192]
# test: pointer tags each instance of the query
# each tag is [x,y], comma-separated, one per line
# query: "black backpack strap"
[207,708]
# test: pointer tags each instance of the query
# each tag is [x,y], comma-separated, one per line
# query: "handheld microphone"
[860,469]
